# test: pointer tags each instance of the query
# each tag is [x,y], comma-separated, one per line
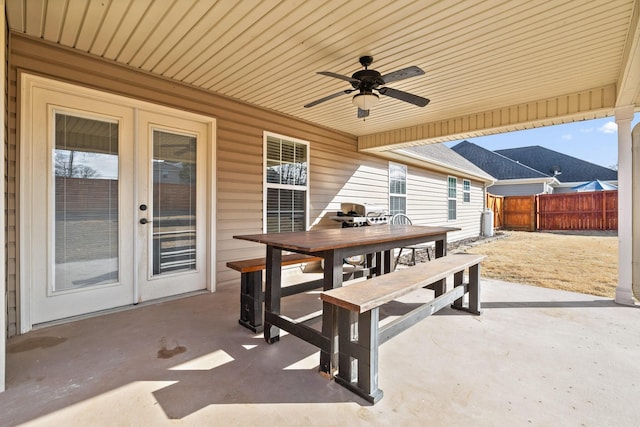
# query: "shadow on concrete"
[553,304]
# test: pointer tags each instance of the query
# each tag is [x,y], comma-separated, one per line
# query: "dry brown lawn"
[585,263]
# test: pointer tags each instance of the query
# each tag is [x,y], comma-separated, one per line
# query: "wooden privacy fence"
[520,213]
[594,210]
[496,204]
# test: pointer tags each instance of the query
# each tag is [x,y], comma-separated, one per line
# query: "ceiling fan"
[366,81]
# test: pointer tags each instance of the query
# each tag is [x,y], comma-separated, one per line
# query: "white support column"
[624,294]
[635,238]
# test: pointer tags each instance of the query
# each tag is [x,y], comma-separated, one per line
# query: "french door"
[115,204]
[171,233]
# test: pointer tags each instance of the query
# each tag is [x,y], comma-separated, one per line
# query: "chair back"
[400,219]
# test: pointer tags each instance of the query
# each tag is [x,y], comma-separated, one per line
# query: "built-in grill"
[359,214]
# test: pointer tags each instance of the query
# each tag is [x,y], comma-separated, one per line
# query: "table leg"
[379,264]
[388,263]
[441,247]
[332,279]
[370,265]
[440,287]
[273,292]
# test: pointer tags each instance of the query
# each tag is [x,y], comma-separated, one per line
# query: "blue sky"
[595,141]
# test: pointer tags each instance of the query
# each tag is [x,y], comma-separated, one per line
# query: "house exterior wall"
[517,189]
[338,173]
[560,190]
[427,202]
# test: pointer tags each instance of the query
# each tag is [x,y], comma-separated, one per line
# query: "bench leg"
[457,281]
[251,299]
[439,287]
[474,289]
[364,350]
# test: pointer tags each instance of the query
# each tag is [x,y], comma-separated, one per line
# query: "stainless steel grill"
[360,214]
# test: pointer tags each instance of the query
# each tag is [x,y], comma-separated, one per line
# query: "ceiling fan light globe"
[365,101]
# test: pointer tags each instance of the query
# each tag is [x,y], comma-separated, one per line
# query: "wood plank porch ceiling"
[491,65]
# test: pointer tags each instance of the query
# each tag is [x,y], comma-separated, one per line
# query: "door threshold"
[118,309]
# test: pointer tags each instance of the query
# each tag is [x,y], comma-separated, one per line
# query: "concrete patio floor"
[535,357]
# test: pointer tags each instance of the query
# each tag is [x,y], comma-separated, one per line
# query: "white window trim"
[452,198]
[406,179]
[266,185]
[465,192]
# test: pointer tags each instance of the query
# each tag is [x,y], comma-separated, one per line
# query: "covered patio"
[534,357]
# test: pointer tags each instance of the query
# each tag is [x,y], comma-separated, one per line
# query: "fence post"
[534,214]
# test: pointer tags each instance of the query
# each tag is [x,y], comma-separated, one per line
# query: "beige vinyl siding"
[11,200]
[337,172]
[427,199]
[337,177]
[469,214]
[239,147]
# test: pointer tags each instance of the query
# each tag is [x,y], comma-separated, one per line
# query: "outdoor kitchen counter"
[333,245]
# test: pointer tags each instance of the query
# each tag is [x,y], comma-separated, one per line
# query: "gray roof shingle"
[442,154]
[495,164]
[571,169]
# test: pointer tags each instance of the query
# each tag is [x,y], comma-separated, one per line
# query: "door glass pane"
[85,165]
[174,202]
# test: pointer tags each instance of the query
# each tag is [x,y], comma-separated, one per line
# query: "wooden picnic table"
[333,245]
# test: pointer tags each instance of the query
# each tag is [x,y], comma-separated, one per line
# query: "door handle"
[144,221]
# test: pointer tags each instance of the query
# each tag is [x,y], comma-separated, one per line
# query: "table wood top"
[337,238]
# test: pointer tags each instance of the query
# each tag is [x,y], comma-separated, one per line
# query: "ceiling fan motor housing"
[368,80]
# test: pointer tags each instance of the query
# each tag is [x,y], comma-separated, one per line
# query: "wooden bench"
[251,294]
[358,313]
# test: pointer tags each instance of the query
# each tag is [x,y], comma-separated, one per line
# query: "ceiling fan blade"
[326,98]
[405,73]
[404,96]
[363,113]
[339,76]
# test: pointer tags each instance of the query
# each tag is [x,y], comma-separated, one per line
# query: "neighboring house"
[534,169]
[512,178]
[569,170]
[252,170]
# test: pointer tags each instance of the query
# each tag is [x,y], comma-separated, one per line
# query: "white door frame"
[27,84]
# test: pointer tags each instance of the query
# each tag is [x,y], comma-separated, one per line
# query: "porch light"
[366,100]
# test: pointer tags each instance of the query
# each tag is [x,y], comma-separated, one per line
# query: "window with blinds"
[397,189]
[452,202]
[286,184]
